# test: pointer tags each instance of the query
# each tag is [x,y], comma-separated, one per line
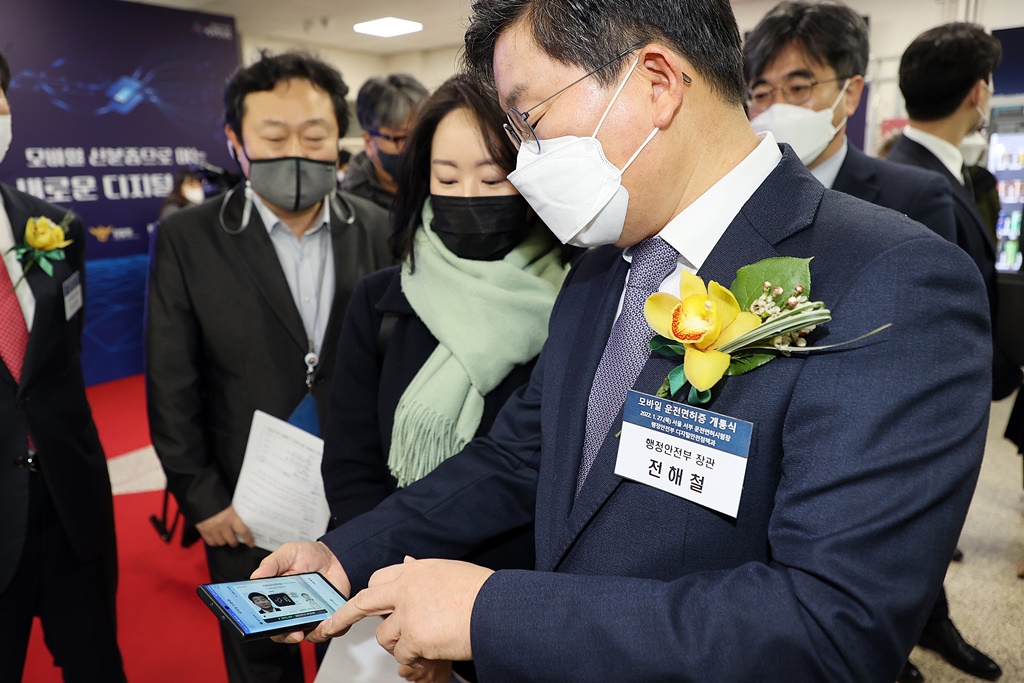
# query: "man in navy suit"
[946,81]
[811,55]
[58,559]
[862,461]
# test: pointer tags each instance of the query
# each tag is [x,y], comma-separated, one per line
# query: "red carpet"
[166,634]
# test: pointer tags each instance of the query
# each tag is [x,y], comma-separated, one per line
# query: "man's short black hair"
[941,66]
[5,73]
[590,33]
[389,102]
[268,71]
[829,32]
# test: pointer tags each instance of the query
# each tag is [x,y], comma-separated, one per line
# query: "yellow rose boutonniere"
[764,314]
[44,242]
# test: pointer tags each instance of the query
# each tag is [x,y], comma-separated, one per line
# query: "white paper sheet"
[280,493]
[357,658]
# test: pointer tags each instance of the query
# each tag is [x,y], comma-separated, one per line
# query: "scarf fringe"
[421,440]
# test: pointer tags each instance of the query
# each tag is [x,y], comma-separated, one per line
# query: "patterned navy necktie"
[627,349]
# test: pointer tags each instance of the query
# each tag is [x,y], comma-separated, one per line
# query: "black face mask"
[389,162]
[480,228]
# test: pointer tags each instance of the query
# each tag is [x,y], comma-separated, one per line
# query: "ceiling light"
[388,27]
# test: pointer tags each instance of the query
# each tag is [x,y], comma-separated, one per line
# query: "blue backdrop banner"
[108,100]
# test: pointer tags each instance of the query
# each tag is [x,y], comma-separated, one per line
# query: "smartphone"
[260,608]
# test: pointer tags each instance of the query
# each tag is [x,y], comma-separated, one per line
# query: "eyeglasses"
[518,128]
[399,140]
[797,91]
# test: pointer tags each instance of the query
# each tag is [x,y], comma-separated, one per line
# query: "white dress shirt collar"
[827,171]
[697,229]
[946,152]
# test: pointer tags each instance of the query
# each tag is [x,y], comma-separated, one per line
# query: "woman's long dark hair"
[458,92]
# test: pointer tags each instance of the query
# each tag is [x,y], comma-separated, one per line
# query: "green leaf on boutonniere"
[784,271]
[676,379]
[747,362]
[45,266]
[663,390]
[666,347]
[698,398]
[55,255]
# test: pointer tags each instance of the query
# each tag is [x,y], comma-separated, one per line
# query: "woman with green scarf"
[431,349]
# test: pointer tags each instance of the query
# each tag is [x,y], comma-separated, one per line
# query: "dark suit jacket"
[921,195]
[224,338]
[974,238]
[861,469]
[371,376]
[50,403]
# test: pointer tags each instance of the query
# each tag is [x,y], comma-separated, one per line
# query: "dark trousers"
[73,599]
[255,661]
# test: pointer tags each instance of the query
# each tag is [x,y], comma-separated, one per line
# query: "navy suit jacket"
[974,238]
[861,469]
[921,195]
[50,402]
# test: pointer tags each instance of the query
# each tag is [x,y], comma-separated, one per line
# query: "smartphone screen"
[259,608]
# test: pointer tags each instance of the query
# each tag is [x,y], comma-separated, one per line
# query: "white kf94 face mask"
[807,131]
[573,187]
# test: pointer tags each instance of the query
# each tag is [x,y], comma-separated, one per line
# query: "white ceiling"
[329,22]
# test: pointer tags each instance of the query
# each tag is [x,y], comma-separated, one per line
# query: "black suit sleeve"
[932,206]
[174,386]
[354,466]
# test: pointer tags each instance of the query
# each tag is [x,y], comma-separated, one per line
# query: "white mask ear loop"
[609,108]
[616,95]
[836,104]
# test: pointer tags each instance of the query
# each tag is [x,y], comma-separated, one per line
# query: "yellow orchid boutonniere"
[765,313]
[44,242]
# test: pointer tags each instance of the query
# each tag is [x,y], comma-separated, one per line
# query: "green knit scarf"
[488,317]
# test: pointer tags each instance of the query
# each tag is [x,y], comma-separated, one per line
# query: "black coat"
[50,403]
[921,195]
[224,338]
[373,371]
[973,237]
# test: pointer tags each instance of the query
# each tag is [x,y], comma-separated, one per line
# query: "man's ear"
[853,94]
[975,93]
[368,145]
[234,144]
[670,77]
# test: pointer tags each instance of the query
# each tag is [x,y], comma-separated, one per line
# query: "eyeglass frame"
[396,139]
[516,117]
[772,90]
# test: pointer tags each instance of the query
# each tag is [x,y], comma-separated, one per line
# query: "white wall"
[894,25]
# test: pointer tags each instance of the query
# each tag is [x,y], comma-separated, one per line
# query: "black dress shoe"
[944,639]
[910,674]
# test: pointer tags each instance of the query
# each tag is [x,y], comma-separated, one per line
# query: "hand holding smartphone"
[260,608]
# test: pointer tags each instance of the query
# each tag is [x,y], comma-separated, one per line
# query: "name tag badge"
[691,453]
[72,295]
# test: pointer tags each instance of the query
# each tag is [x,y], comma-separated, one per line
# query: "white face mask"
[973,148]
[807,131]
[194,194]
[5,135]
[573,187]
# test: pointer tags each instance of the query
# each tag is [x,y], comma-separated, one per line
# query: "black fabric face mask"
[389,162]
[480,228]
